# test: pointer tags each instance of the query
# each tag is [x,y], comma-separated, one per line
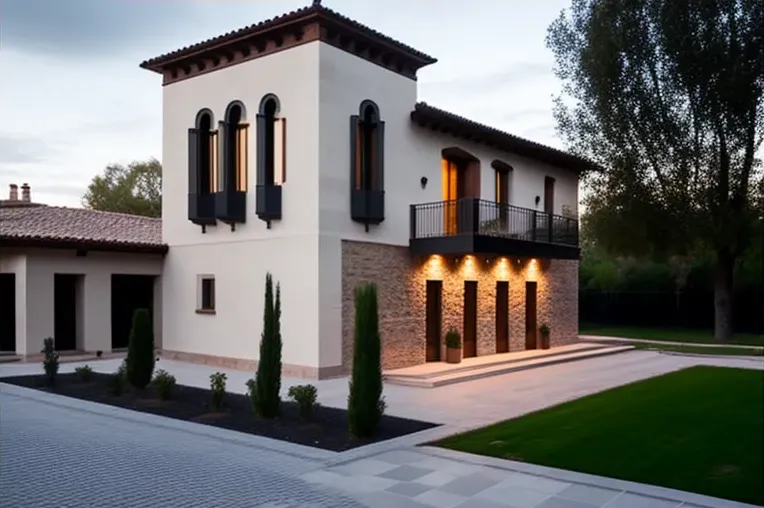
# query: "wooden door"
[434,319]
[502,316]
[65,312]
[469,335]
[530,315]
[502,196]
[450,179]
[549,194]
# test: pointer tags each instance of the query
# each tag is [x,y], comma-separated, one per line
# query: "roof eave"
[86,245]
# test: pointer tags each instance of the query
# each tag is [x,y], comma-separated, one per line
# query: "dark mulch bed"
[328,429]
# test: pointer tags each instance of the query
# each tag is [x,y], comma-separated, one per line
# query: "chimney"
[14,194]
[25,193]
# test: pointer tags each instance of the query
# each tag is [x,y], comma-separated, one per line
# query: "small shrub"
[140,351]
[252,393]
[164,382]
[84,373]
[544,330]
[115,384]
[305,396]
[453,339]
[365,402]
[49,361]
[217,388]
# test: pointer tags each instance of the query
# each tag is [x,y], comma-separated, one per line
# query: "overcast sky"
[73,99]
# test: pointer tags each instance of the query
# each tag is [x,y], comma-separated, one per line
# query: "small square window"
[206,294]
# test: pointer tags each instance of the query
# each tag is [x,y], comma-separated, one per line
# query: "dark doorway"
[530,315]
[502,316]
[548,194]
[7,312]
[434,319]
[128,293]
[65,311]
[469,339]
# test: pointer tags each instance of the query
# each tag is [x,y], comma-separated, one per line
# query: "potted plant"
[453,346]
[544,331]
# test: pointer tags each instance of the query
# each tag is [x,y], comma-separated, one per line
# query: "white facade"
[319,87]
[34,271]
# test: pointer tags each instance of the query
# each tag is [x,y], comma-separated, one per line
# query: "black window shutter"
[261,150]
[379,157]
[224,159]
[193,161]
[355,154]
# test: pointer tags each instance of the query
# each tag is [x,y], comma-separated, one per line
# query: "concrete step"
[440,369]
[461,375]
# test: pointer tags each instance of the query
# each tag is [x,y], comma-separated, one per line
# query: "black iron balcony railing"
[477,217]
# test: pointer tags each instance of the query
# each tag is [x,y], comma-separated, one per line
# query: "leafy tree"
[140,350]
[268,377]
[365,402]
[134,189]
[665,97]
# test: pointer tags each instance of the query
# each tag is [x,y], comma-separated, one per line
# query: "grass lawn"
[668,334]
[699,430]
[702,350]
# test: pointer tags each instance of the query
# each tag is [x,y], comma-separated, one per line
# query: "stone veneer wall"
[401,284]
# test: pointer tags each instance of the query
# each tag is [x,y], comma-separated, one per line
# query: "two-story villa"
[296,146]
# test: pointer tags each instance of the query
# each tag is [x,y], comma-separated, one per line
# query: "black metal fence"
[689,309]
[482,217]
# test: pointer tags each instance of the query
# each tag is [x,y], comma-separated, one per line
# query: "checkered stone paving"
[419,478]
[56,455]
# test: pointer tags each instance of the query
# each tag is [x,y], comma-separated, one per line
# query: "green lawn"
[703,350]
[700,430]
[668,334]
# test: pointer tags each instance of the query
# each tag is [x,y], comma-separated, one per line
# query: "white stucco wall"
[240,259]
[35,270]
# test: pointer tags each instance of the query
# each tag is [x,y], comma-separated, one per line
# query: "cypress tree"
[365,402]
[140,352]
[268,377]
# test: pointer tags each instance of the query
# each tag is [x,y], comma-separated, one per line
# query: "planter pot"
[545,342]
[453,355]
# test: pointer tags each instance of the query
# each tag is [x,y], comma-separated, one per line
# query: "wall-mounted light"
[538,199]
[423,181]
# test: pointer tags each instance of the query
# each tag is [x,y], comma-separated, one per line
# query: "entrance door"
[502,316]
[65,311]
[434,319]
[7,312]
[530,315]
[469,339]
[128,293]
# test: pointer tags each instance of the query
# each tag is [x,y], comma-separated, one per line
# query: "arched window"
[202,169]
[367,157]
[271,158]
[503,174]
[234,154]
[460,179]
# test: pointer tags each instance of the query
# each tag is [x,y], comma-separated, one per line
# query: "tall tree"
[135,189]
[666,97]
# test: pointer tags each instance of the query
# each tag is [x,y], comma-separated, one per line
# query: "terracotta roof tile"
[73,227]
[442,120]
[316,9]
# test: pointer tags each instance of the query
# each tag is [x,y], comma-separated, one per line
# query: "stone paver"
[64,456]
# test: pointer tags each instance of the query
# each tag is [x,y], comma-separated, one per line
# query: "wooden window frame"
[206,302]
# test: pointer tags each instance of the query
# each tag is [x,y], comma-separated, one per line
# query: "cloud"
[88,28]
[16,149]
[518,74]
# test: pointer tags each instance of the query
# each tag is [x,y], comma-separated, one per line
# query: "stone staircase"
[435,374]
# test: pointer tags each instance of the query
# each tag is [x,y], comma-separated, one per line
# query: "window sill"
[206,311]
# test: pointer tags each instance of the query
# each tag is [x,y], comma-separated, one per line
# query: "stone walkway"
[62,452]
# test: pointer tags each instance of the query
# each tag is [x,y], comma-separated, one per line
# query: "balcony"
[268,203]
[475,226]
[201,209]
[231,206]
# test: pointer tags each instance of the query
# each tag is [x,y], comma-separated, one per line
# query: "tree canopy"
[665,96]
[134,189]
